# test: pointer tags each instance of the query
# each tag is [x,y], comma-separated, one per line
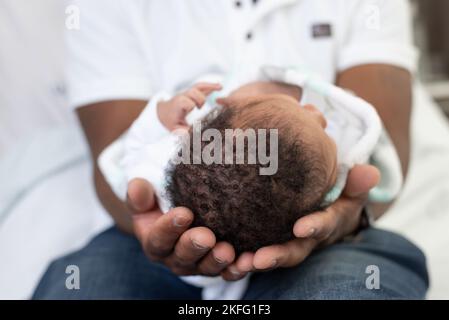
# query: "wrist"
[152,114]
[162,113]
[377,210]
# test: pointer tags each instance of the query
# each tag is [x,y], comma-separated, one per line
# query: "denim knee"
[346,271]
[113,266]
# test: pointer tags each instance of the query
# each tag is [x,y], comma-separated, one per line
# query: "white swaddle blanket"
[146,149]
[355,127]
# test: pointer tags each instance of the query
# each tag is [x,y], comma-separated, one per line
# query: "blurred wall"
[436,22]
[433,18]
[31,69]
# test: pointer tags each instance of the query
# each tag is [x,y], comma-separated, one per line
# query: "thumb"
[361,180]
[140,197]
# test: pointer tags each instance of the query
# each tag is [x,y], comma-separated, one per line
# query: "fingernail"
[198,246]
[306,233]
[220,261]
[180,221]
[234,272]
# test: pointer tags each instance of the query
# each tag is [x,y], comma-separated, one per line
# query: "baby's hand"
[172,113]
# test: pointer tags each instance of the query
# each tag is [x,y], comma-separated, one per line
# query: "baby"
[238,203]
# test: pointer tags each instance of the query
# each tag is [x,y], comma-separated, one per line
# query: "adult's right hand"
[166,238]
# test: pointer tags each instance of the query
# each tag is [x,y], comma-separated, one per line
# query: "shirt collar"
[264,8]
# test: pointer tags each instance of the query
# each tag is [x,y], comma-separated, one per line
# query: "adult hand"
[316,229]
[167,238]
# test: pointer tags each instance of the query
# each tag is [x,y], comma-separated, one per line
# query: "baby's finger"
[207,87]
[185,103]
[223,102]
[182,126]
[227,102]
[196,96]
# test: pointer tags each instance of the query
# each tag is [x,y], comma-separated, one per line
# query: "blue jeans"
[113,266]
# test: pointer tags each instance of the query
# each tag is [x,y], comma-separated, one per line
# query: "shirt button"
[238,4]
[255,2]
[249,36]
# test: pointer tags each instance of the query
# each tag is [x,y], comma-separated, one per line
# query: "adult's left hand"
[314,230]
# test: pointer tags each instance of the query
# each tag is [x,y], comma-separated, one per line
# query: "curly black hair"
[239,205]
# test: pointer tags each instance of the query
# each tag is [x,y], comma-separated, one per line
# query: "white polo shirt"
[136,49]
[133,49]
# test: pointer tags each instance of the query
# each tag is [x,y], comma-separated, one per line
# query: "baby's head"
[235,201]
